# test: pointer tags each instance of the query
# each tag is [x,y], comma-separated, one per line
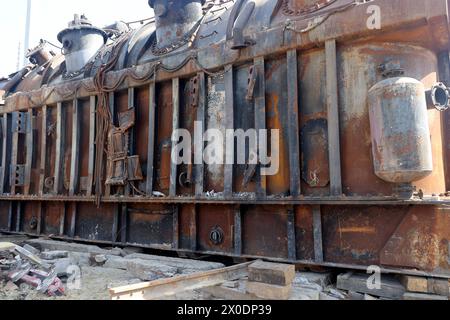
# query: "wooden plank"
[229,124]
[176,228]
[293,123]
[333,119]
[228,294]
[14,152]
[29,152]
[175,126]
[318,237]
[238,231]
[260,116]
[410,296]
[92,128]
[60,144]
[169,287]
[292,245]
[75,156]
[426,285]
[43,161]
[151,139]
[391,288]
[199,147]
[124,224]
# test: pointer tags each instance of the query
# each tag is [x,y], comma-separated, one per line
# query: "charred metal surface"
[304,68]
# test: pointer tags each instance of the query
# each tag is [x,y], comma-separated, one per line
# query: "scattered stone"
[31,249]
[271,273]
[423,296]
[335,293]
[114,262]
[368,297]
[100,258]
[305,294]
[355,296]
[52,245]
[150,270]
[181,264]
[11,286]
[131,250]
[81,259]
[269,291]
[327,297]
[53,255]
[231,284]
[61,267]
[322,279]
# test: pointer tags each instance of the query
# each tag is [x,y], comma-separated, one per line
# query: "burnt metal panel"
[151,139]
[260,115]
[75,161]
[175,126]
[229,124]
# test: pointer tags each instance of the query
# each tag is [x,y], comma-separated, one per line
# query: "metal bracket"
[20,122]
[18,175]
[252,77]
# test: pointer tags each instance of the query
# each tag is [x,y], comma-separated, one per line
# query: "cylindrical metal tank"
[401,143]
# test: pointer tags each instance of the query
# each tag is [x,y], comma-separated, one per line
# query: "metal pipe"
[438,97]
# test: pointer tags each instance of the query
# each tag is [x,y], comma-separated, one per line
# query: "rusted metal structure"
[364,136]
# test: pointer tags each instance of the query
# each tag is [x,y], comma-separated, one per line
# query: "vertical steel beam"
[112,110]
[175,126]
[43,161]
[39,218]
[62,221]
[193,229]
[293,123]
[229,124]
[318,239]
[15,151]
[260,115]
[132,142]
[91,161]
[4,169]
[199,147]
[10,216]
[124,225]
[29,152]
[151,139]
[238,231]
[18,216]
[291,235]
[60,142]
[176,228]
[115,226]
[333,119]
[74,163]
[73,221]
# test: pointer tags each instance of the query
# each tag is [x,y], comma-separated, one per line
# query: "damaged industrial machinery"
[86,133]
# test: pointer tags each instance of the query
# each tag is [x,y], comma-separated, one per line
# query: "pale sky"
[51,16]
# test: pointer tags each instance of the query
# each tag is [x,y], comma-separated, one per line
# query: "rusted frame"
[10,216]
[229,124]
[29,152]
[175,126]
[75,156]
[60,147]
[62,220]
[199,147]
[293,122]
[176,227]
[151,139]
[444,77]
[260,116]
[237,230]
[115,226]
[5,154]
[18,215]
[132,142]
[73,220]
[112,110]
[14,152]
[318,237]
[333,118]
[39,218]
[124,224]
[43,161]
[193,229]
[92,127]
[291,235]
